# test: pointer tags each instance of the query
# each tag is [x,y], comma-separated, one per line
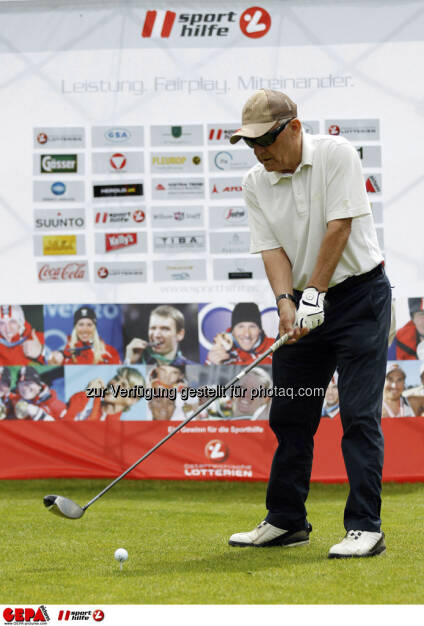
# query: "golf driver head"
[64,507]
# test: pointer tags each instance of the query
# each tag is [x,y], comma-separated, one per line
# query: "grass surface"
[176,534]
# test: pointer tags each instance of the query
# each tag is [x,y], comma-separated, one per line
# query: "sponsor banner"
[227,217]
[59,219]
[62,271]
[119,136]
[58,137]
[222,188]
[370,155]
[377,212]
[119,217]
[55,245]
[58,191]
[176,162]
[373,183]
[240,268]
[188,135]
[191,269]
[221,133]
[312,128]
[58,164]
[227,160]
[355,130]
[117,162]
[123,243]
[229,242]
[174,188]
[194,241]
[118,190]
[120,272]
[174,217]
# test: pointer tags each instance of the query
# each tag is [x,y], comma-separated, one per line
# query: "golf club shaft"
[277,344]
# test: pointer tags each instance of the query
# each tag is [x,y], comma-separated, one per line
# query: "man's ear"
[295,125]
[180,334]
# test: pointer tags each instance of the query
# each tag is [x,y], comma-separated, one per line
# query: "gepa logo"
[26,615]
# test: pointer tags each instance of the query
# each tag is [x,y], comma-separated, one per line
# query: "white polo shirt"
[291,211]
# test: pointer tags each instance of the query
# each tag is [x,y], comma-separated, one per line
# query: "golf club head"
[64,507]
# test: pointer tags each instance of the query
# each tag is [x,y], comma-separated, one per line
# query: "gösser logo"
[216,450]
[255,22]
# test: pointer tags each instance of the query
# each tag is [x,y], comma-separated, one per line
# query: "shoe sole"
[379,548]
[268,544]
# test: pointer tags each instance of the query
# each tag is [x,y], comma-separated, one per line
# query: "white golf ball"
[121,555]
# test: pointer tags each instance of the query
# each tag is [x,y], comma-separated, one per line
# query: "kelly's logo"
[119,240]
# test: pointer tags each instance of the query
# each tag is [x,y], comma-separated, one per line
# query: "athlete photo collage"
[156,361]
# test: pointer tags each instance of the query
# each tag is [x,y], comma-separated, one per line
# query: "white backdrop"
[82,66]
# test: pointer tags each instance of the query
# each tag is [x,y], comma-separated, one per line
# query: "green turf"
[176,535]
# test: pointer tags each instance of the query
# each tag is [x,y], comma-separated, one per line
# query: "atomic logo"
[255,22]
[158,23]
[216,450]
[118,161]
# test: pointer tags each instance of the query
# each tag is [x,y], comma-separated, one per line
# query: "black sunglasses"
[268,138]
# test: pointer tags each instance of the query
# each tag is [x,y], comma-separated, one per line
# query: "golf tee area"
[176,534]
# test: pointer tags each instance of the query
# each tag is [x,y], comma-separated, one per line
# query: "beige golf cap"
[261,111]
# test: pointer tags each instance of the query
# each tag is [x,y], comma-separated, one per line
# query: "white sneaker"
[358,543]
[268,535]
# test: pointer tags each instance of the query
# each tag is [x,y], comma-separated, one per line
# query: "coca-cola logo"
[48,272]
[117,241]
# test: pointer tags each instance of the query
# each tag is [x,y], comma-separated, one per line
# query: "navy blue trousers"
[353,338]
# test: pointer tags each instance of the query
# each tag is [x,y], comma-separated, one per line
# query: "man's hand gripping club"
[309,315]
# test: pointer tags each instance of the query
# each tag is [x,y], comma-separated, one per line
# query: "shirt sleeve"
[346,195]
[261,236]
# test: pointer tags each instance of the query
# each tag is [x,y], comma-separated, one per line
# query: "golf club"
[64,507]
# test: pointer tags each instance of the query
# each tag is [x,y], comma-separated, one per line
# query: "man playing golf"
[311,221]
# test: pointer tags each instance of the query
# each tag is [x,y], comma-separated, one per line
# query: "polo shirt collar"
[307,156]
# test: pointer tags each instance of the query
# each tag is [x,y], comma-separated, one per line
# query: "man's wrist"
[285,296]
[318,288]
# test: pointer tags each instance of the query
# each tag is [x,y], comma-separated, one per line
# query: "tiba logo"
[158,23]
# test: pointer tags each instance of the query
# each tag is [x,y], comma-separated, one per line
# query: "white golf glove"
[310,313]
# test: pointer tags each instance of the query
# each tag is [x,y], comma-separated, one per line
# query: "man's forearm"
[278,270]
[329,254]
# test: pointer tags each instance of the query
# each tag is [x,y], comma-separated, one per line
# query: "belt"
[350,282]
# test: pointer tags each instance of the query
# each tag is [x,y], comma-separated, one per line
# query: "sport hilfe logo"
[254,23]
